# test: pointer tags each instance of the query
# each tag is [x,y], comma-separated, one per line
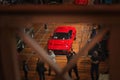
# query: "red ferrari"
[81,2]
[62,39]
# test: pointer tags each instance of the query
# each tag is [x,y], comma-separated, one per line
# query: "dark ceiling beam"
[22,15]
[59,9]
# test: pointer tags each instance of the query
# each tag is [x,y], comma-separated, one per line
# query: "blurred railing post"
[8,55]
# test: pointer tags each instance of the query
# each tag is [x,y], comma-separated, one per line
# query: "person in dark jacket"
[94,31]
[40,68]
[25,69]
[95,66]
[69,57]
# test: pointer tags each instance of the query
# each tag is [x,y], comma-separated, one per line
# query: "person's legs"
[76,72]
[92,72]
[49,71]
[43,74]
[26,76]
[97,72]
[69,72]
[40,76]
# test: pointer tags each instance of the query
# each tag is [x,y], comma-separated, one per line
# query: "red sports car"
[81,2]
[62,39]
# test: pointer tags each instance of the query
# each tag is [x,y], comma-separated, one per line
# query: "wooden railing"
[12,17]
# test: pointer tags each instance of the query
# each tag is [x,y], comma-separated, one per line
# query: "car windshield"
[61,36]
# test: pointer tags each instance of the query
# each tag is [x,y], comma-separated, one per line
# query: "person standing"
[95,66]
[40,68]
[69,57]
[45,27]
[52,57]
[25,69]
[94,31]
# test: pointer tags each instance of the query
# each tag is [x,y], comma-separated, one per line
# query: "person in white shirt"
[52,57]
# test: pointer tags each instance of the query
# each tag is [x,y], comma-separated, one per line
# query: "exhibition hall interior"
[59,39]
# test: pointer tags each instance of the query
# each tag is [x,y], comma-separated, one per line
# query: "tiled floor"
[42,36]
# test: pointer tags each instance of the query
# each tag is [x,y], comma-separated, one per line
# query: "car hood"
[59,44]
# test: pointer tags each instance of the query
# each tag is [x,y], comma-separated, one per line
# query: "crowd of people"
[40,66]
[41,69]
[97,54]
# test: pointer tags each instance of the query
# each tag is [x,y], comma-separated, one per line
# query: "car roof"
[64,28]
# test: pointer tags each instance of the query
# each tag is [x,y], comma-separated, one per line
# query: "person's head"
[50,52]
[70,52]
[95,26]
[95,54]
[39,59]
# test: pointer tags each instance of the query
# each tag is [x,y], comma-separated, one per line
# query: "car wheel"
[75,38]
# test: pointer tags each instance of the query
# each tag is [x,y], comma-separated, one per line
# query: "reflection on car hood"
[55,41]
[59,44]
